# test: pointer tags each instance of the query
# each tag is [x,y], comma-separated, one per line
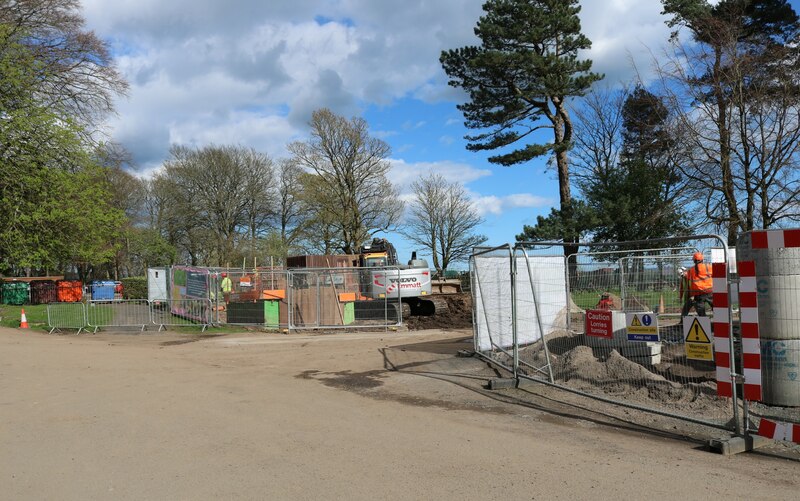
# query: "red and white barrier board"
[779,431]
[774,239]
[722,352]
[751,342]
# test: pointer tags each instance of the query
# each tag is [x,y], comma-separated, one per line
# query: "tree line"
[711,145]
[233,206]
[70,201]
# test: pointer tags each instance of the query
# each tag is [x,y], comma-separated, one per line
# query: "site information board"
[196,285]
[598,324]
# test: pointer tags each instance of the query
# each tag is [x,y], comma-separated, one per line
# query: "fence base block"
[503,383]
[735,445]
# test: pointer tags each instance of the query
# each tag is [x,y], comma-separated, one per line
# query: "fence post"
[568,292]
[538,311]
[734,373]
[290,299]
[514,340]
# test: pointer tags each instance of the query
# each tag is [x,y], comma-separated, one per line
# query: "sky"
[251,72]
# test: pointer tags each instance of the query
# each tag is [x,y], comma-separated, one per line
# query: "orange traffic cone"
[23,320]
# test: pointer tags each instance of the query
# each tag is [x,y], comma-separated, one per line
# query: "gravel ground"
[326,416]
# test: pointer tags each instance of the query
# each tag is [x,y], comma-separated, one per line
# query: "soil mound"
[457,316]
[580,364]
[616,375]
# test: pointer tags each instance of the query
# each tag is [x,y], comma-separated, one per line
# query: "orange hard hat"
[697,256]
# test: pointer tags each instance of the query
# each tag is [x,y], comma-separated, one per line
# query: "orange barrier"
[273,294]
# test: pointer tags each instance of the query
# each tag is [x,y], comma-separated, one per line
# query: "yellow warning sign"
[635,322]
[697,351]
[697,335]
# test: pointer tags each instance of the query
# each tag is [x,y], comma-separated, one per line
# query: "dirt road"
[270,416]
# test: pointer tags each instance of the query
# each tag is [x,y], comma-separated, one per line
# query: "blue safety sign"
[642,327]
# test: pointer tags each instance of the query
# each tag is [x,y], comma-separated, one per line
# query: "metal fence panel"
[492,292]
[334,298]
[303,299]
[644,276]
[374,308]
[118,313]
[181,312]
[257,298]
[531,313]
[340,291]
[66,316]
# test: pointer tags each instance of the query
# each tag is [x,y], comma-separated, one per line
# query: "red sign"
[598,324]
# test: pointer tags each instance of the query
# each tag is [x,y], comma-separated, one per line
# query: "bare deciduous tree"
[350,169]
[216,198]
[76,75]
[291,216]
[442,219]
[736,98]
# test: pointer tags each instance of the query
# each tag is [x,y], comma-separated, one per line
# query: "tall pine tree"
[519,81]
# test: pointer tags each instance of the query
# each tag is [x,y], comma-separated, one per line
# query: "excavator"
[411,283]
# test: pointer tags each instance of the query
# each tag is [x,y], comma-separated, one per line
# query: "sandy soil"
[325,416]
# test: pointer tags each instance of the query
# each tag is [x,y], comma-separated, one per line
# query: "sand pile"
[618,376]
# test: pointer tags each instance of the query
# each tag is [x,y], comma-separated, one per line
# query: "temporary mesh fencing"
[313,298]
[534,302]
[308,298]
[141,313]
[66,316]
[182,313]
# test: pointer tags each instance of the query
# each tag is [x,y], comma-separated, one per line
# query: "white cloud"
[404,173]
[497,205]
[252,71]
[624,33]
[523,200]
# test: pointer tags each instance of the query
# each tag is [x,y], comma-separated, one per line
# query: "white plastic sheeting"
[493,312]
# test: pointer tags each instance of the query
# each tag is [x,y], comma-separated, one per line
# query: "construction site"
[369,290]
[592,347]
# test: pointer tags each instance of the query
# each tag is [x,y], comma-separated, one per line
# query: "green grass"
[36,315]
[100,314]
[589,299]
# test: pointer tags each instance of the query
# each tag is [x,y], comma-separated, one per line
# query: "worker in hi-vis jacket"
[696,283]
